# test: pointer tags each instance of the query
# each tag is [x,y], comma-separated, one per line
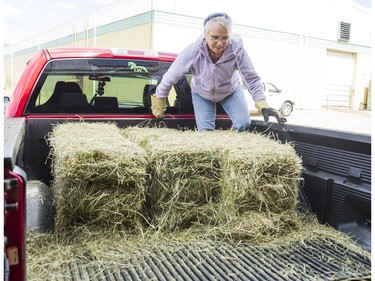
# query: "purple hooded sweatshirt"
[213,81]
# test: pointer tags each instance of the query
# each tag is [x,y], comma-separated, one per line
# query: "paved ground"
[342,119]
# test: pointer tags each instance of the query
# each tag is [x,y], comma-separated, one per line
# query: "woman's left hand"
[267,112]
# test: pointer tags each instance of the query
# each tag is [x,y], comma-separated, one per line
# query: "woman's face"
[217,38]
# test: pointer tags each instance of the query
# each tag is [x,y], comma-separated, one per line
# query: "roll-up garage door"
[339,79]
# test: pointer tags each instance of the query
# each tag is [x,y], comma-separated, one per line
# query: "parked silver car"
[6,101]
[275,98]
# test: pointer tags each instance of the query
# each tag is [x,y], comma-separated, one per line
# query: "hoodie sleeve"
[179,68]
[249,75]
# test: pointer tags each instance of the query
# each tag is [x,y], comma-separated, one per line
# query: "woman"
[217,61]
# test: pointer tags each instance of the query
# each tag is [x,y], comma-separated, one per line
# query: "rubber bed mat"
[326,260]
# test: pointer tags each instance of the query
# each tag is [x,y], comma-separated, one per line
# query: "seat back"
[147,91]
[184,100]
[73,102]
[105,103]
[53,103]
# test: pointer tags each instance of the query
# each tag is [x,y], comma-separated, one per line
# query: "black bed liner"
[323,260]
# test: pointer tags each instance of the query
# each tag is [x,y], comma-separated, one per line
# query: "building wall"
[288,47]
[123,33]
[294,62]
[128,38]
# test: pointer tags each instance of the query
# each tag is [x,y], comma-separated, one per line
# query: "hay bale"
[259,174]
[99,177]
[185,177]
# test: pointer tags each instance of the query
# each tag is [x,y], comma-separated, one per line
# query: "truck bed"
[314,260]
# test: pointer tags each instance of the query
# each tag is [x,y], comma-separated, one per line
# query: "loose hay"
[50,255]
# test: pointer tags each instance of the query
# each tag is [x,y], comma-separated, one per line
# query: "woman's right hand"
[158,106]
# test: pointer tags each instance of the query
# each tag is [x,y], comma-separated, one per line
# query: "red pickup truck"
[99,85]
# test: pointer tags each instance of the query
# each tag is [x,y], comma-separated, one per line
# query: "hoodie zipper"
[214,90]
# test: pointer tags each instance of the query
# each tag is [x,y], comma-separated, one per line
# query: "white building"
[318,51]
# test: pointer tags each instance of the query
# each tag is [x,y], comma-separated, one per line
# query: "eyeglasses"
[216,38]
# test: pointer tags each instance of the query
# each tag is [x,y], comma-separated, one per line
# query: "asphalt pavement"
[341,119]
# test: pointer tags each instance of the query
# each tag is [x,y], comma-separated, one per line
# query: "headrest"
[106,102]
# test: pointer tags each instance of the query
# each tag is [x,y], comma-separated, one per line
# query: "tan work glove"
[158,106]
[267,111]
[261,104]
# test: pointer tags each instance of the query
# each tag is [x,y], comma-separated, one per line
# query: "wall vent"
[344,31]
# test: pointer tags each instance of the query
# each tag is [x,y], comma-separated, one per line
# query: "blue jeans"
[234,105]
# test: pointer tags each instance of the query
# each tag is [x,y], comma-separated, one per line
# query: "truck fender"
[40,214]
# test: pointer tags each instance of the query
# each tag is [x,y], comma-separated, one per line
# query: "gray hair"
[220,18]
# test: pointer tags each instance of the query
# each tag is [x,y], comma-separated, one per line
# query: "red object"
[35,66]
[14,224]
